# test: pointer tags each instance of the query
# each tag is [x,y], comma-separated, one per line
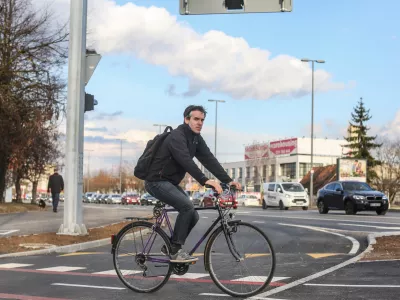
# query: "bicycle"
[228,229]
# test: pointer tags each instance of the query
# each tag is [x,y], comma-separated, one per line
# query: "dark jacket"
[175,158]
[56,184]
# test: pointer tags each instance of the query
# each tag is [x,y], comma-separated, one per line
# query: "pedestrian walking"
[56,186]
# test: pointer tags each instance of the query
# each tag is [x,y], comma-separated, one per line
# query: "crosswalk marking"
[61,269]
[113,272]
[191,275]
[12,265]
[259,279]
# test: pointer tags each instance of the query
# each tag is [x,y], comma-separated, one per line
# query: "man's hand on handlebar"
[215,185]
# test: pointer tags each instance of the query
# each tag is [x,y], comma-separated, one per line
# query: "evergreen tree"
[359,143]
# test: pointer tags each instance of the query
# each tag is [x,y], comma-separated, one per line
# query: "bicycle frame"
[164,216]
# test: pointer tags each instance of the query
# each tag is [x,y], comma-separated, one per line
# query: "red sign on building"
[256,151]
[284,146]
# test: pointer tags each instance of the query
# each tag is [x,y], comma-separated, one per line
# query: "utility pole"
[312,125]
[88,184]
[120,168]
[73,217]
[160,125]
[216,118]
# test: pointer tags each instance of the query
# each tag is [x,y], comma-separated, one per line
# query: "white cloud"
[392,129]
[212,61]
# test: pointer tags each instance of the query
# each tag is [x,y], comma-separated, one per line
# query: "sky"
[156,62]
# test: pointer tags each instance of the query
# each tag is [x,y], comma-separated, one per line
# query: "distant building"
[283,160]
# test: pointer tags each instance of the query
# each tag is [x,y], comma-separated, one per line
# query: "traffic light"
[90,102]
[234,4]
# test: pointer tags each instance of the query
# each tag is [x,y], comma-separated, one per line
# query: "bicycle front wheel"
[141,258]
[255,268]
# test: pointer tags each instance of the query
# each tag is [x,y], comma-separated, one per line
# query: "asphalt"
[305,242]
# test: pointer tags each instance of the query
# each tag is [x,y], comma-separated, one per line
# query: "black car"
[351,196]
[148,199]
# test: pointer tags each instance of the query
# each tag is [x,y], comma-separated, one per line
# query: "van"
[285,195]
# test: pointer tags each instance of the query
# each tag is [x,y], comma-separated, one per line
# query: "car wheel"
[349,208]
[381,212]
[305,207]
[322,207]
[281,207]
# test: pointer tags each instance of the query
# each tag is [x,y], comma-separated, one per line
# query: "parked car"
[225,201]
[197,197]
[248,200]
[103,199]
[147,199]
[130,199]
[114,199]
[351,196]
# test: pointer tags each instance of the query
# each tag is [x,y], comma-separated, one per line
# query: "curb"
[372,240]
[62,249]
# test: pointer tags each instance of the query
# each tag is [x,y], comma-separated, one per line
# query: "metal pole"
[216,118]
[73,217]
[312,138]
[120,171]
[88,184]
[216,126]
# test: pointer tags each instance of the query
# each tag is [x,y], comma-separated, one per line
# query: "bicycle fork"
[228,231]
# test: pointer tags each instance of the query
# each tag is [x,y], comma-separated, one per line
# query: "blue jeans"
[56,198]
[175,196]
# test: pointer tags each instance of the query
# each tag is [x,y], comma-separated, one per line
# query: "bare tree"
[388,172]
[32,52]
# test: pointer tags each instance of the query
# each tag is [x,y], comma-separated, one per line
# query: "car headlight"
[287,196]
[385,198]
[358,197]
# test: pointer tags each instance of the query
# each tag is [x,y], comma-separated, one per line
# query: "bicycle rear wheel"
[253,247]
[138,258]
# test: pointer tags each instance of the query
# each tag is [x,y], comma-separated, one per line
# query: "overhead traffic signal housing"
[90,102]
[234,4]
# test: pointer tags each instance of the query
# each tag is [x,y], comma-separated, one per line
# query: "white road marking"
[354,285]
[90,286]
[204,217]
[225,295]
[260,222]
[356,244]
[260,278]
[61,269]
[5,232]
[113,272]
[13,266]
[311,277]
[191,275]
[311,218]
[377,227]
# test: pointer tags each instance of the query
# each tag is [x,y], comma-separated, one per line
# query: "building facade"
[283,160]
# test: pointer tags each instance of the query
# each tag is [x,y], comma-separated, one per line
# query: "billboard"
[281,147]
[352,169]
[256,151]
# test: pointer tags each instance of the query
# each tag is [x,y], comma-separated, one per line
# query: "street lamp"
[216,116]
[319,61]
[159,125]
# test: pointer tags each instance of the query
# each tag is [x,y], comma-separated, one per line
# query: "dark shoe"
[182,257]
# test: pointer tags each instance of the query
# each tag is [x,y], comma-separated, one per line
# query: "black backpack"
[143,164]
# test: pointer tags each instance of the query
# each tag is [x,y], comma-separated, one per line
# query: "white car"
[285,195]
[248,200]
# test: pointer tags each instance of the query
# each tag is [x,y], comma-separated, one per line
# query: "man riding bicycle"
[173,159]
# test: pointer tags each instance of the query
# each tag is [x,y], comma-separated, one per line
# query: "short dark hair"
[190,108]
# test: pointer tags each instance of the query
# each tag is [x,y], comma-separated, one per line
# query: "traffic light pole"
[73,217]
